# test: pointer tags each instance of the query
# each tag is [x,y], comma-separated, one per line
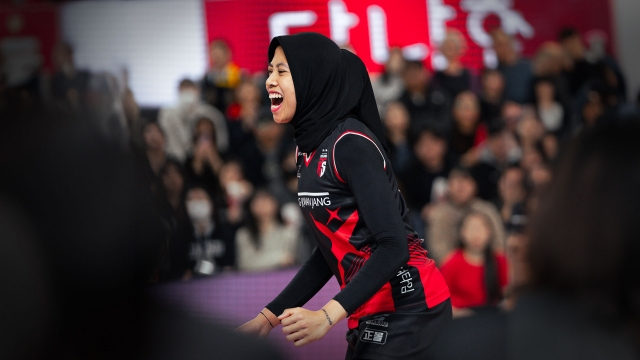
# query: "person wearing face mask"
[212,248]
[178,122]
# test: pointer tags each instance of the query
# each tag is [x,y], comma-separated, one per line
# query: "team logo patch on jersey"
[374,336]
[322,163]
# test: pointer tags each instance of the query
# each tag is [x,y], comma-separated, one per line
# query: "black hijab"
[331,85]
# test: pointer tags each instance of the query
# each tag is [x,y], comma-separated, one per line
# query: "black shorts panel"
[400,335]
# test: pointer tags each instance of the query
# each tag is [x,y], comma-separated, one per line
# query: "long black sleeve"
[361,165]
[311,277]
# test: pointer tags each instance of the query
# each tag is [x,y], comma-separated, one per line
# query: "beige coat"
[278,247]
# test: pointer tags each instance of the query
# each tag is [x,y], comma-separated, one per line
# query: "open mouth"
[276,99]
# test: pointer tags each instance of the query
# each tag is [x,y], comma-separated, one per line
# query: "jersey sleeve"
[360,164]
[311,277]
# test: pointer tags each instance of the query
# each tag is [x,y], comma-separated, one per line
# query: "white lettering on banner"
[511,21]
[280,22]
[341,21]
[378,34]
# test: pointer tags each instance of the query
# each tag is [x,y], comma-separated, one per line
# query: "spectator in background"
[397,122]
[491,96]
[454,78]
[498,151]
[237,190]
[203,166]
[264,243]
[513,194]
[475,273]
[530,130]
[550,111]
[517,71]
[468,132]
[425,184]
[222,78]
[174,263]
[389,85]
[580,70]
[445,217]
[425,102]
[178,122]
[154,142]
[549,66]
[68,84]
[212,245]
[242,116]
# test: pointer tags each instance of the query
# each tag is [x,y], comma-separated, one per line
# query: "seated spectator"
[454,78]
[212,247]
[222,78]
[178,122]
[491,95]
[154,143]
[498,152]
[424,102]
[237,189]
[425,184]
[264,243]
[69,85]
[174,263]
[204,164]
[513,194]
[475,273]
[581,70]
[389,85]
[397,122]
[445,217]
[530,130]
[517,71]
[468,132]
[550,111]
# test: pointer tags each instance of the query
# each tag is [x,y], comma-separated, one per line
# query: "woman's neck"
[156,159]
[174,199]
[473,257]
[454,68]
[264,225]
[397,137]
[201,226]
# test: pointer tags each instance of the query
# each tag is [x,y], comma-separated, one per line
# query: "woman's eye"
[269,71]
[281,71]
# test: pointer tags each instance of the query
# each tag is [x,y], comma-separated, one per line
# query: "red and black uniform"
[345,189]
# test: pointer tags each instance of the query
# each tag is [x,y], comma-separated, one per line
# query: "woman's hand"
[304,326]
[260,325]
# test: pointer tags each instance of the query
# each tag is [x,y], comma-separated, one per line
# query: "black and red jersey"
[350,198]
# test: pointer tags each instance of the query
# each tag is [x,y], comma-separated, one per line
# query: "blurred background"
[140,160]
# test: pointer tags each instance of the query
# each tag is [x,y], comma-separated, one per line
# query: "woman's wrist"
[269,318]
[333,312]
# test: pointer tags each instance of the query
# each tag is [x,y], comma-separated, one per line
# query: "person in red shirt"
[475,273]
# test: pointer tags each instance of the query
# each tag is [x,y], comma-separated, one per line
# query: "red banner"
[417,26]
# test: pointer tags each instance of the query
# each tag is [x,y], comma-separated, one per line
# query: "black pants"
[400,335]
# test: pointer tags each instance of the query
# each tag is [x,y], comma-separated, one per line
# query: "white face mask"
[186,98]
[199,210]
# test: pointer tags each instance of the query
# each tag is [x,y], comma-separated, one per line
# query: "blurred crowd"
[472,152]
